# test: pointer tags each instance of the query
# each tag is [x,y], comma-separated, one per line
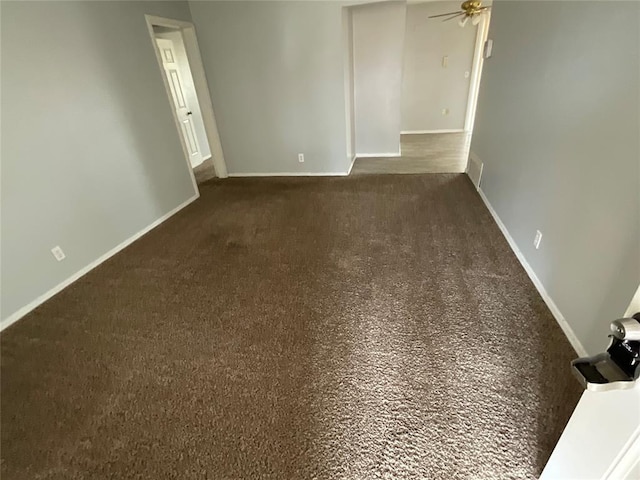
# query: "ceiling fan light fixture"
[470,9]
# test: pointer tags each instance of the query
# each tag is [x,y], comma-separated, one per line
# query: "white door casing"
[183,112]
[201,86]
[602,439]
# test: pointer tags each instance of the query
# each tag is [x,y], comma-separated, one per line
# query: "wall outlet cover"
[301,157]
[58,253]
[537,239]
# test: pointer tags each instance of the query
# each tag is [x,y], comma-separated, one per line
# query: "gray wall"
[276,76]
[90,152]
[378,39]
[557,128]
[427,86]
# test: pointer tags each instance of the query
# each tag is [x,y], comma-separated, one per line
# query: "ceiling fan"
[468,10]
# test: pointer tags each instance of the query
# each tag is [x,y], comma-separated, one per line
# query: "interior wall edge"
[548,300]
[20,313]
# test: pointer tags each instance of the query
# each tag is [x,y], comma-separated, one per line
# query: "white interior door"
[184,113]
[602,438]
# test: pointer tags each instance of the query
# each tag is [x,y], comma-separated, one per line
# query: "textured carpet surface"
[348,328]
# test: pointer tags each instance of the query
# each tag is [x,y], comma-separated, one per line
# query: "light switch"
[488,48]
[445,61]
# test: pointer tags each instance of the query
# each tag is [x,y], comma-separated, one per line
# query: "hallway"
[422,153]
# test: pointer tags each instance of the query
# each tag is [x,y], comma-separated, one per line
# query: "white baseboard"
[290,174]
[14,317]
[474,170]
[555,311]
[422,132]
[353,160]
[376,155]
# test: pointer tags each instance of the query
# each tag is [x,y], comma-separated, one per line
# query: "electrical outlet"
[466,74]
[445,111]
[301,157]
[58,253]
[537,239]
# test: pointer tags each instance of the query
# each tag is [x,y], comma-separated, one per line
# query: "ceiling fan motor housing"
[471,7]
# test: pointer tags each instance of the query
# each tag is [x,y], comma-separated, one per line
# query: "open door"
[602,438]
[189,97]
[183,110]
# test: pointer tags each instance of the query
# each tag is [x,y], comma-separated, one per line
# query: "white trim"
[167,22]
[376,155]
[555,311]
[204,159]
[14,317]
[476,71]
[290,174]
[348,74]
[202,89]
[421,132]
[151,21]
[204,97]
[353,160]
[628,459]
[473,158]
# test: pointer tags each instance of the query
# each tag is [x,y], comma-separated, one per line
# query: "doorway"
[436,68]
[178,57]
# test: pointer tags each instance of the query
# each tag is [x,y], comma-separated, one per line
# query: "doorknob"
[189,113]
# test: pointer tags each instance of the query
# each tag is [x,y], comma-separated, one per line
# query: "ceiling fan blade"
[445,14]
[455,16]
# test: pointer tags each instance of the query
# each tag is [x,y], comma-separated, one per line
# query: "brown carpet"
[338,328]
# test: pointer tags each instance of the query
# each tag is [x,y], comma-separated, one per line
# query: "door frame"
[476,70]
[188,31]
[586,431]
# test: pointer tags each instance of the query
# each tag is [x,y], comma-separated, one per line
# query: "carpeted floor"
[339,328]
